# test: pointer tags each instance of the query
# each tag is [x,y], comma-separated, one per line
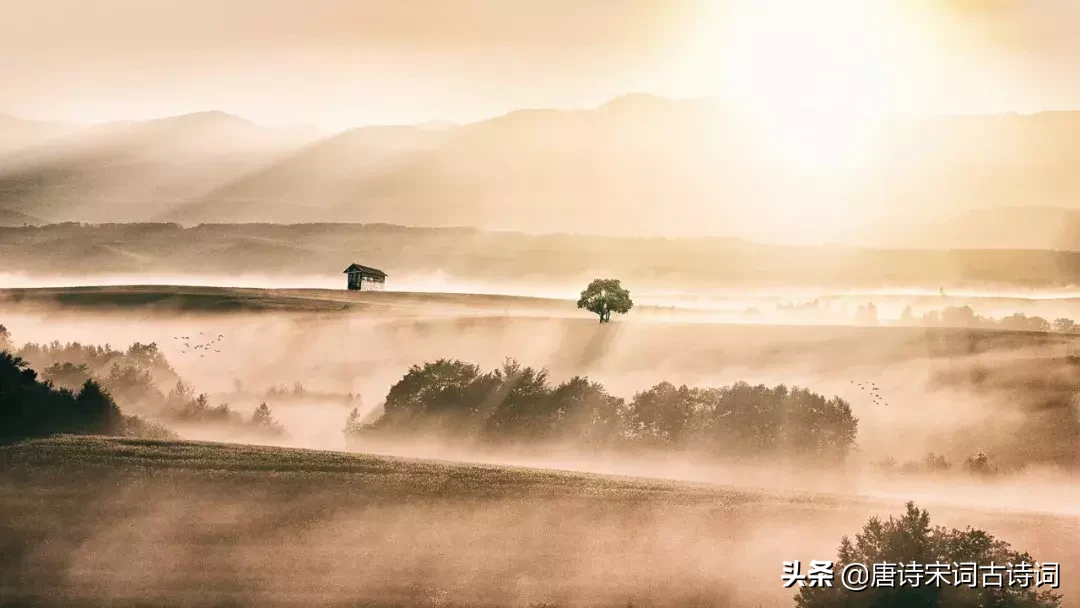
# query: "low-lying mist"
[275,537]
[743,303]
[929,394]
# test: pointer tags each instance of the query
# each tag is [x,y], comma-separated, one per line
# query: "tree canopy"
[519,403]
[605,296]
[32,408]
[910,538]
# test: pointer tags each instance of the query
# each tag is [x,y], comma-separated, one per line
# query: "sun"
[841,55]
[813,75]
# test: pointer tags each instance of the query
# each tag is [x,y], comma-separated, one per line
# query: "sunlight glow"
[812,75]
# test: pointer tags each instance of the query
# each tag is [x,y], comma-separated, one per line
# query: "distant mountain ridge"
[17,133]
[638,164]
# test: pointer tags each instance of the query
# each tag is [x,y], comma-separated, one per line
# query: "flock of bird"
[871,389]
[213,345]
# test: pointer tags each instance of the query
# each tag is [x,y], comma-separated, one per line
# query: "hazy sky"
[342,63]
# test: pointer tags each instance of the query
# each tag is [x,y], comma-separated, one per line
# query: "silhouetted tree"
[263,419]
[67,375]
[979,464]
[605,296]
[446,392]
[5,339]
[96,410]
[661,414]
[910,539]
[133,385]
[141,364]
[32,408]
[179,396]
[585,412]
[520,405]
[353,424]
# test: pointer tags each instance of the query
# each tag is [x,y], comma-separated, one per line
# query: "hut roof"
[354,267]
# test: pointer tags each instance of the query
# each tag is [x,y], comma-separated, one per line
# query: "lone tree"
[605,296]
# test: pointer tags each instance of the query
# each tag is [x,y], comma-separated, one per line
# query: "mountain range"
[637,165]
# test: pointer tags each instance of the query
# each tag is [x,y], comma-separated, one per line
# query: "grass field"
[108,521]
[101,521]
[194,299]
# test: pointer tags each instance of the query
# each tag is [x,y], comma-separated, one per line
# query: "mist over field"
[960,382]
[941,373]
[539,303]
[962,393]
[703,532]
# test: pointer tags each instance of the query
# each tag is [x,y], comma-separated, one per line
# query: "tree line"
[516,403]
[31,407]
[978,464]
[130,380]
[964,316]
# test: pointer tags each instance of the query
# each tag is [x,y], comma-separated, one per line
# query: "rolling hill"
[97,521]
[320,251]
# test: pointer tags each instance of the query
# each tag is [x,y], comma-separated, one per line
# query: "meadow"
[112,522]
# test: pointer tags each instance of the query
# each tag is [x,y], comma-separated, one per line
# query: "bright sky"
[344,63]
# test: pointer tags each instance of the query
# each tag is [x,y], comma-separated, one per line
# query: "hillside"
[133,170]
[95,521]
[207,525]
[193,299]
[17,134]
[606,170]
[403,477]
[320,251]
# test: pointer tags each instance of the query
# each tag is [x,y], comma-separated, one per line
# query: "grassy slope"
[87,458]
[95,521]
[226,299]
[92,521]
